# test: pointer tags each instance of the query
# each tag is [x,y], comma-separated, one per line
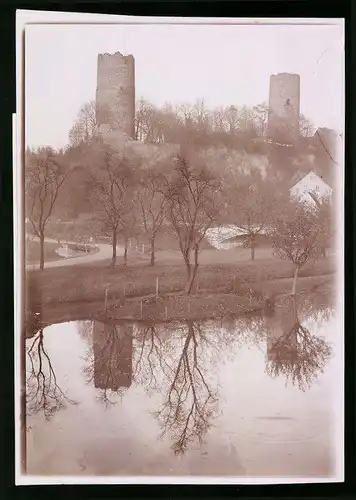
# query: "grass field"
[219,272]
[32,252]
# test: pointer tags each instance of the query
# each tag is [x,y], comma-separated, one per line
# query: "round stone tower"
[115,93]
[284,108]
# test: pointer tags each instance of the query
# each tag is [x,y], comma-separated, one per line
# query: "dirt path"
[104,253]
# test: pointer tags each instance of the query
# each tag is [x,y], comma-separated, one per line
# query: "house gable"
[311,187]
[312,180]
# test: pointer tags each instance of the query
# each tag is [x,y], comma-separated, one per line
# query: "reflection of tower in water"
[279,322]
[112,356]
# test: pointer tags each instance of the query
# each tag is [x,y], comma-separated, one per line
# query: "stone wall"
[284,108]
[115,93]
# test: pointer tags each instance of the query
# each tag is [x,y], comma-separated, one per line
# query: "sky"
[224,65]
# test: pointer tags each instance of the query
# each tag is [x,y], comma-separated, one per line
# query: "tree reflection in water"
[154,354]
[180,362]
[189,403]
[109,361]
[42,390]
[250,329]
[170,360]
[296,354]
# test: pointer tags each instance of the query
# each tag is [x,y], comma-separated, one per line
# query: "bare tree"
[148,122]
[306,128]
[86,125]
[190,403]
[152,201]
[192,209]
[128,225]
[45,174]
[246,121]
[250,207]
[112,181]
[153,355]
[297,354]
[296,236]
[232,115]
[201,116]
[169,123]
[260,118]
[219,118]
[42,390]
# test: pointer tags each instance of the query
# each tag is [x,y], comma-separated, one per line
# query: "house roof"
[320,176]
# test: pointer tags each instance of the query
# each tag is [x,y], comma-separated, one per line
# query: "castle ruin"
[115,102]
[115,94]
[284,108]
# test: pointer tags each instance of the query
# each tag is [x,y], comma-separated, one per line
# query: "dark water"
[248,397]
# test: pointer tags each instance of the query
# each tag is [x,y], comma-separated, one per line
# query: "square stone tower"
[115,93]
[113,351]
[284,108]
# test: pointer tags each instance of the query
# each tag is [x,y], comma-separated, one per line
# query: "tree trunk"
[252,246]
[125,252]
[193,272]
[42,252]
[294,305]
[295,280]
[152,263]
[191,280]
[188,268]
[114,241]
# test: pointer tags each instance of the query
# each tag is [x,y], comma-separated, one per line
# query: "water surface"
[246,397]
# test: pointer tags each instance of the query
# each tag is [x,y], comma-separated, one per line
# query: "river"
[247,397]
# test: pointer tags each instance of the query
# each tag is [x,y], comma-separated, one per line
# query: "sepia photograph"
[180,291]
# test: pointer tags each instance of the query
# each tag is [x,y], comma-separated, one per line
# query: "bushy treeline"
[231,126]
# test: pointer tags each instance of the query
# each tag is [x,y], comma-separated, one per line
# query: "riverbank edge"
[172,307]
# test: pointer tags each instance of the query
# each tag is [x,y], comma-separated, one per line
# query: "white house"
[216,236]
[310,189]
[219,237]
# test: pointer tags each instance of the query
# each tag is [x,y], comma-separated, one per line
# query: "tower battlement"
[115,92]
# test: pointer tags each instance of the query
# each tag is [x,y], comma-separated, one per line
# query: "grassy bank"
[88,283]
[169,308]
[63,294]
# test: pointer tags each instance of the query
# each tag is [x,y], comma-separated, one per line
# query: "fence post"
[166,310]
[106,298]
[157,285]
